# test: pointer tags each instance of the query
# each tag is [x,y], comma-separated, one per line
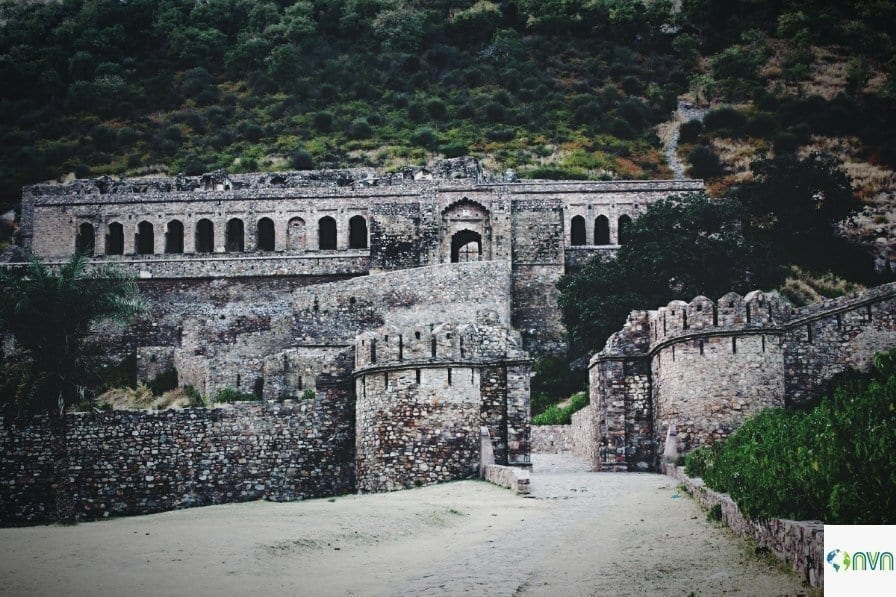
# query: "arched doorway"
[205,236]
[326,234]
[115,239]
[85,241]
[145,239]
[174,238]
[466,245]
[466,233]
[577,232]
[234,237]
[265,240]
[601,231]
[357,233]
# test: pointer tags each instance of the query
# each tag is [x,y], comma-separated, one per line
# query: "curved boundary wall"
[701,368]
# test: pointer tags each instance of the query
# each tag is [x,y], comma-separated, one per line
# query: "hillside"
[558,89]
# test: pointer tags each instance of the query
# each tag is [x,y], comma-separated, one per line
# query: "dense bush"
[836,462]
[705,162]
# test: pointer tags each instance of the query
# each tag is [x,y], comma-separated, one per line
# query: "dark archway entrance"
[85,241]
[466,245]
[205,236]
[146,240]
[234,236]
[357,233]
[326,234]
[174,238]
[265,241]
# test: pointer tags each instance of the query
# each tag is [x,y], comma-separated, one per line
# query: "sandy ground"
[580,534]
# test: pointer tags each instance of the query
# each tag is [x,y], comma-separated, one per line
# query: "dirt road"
[580,534]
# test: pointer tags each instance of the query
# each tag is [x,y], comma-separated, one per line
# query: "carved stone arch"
[473,220]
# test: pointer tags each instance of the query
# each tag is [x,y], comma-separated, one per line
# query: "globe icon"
[838,559]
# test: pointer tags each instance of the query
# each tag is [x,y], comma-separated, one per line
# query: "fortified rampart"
[423,394]
[703,367]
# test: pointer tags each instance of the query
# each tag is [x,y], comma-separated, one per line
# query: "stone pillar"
[518,408]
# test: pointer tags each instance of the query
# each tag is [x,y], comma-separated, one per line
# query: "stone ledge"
[511,477]
[799,543]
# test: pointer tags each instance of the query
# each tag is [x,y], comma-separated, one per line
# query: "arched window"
[85,241]
[174,237]
[265,240]
[326,234]
[625,223]
[205,236]
[466,245]
[234,239]
[295,234]
[601,230]
[146,240]
[357,233]
[115,239]
[577,231]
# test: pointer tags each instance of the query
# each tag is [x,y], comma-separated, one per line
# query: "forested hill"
[551,88]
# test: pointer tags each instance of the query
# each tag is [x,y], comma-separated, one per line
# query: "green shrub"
[323,121]
[690,131]
[225,395]
[164,381]
[308,394]
[705,162]
[455,150]
[836,462]
[196,399]
[424,137]
[301,160]
[360,129]
[555,415]
[699,461]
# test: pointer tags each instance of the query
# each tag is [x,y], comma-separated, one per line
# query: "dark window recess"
[577,231]
[701,347]
[115,239]
[85,241]
[418,377]
[357,233]
[433,346]
[373,352]
[400,348]
[234,238]
[266,236]
[734,345]
[205,236]
[145,240]
[326,234]
[449,376]
[602,231]
[174,237]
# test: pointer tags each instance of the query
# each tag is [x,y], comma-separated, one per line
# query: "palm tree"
[49,312]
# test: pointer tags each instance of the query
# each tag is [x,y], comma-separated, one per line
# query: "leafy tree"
[796,204]
[679,248]
[50,313]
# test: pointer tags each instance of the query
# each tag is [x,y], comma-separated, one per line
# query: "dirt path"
[581,534]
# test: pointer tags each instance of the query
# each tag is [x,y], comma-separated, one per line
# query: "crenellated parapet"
[702,367]
[424,391]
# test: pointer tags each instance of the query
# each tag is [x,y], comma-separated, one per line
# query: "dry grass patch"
[142,398]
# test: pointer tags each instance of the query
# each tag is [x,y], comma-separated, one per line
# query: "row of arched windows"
[234,236]
[578,235]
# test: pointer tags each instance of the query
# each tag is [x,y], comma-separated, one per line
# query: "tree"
[679,248]
[797,204]
[50,313]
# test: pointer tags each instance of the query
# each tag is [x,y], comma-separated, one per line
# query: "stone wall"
[579,437]
[703,367]
[133,462]
[798,543]
[425,393]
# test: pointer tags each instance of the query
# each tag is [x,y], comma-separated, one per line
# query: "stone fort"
[387,322]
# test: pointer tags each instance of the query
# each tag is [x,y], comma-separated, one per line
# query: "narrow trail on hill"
[670,132]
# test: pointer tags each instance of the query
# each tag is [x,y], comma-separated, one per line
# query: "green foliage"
[835,462]
[700,460]
[196,399]
[227,395]
[555,415]
[705,162]
[164,381]
[552,380]
[50,313]
[308,394]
